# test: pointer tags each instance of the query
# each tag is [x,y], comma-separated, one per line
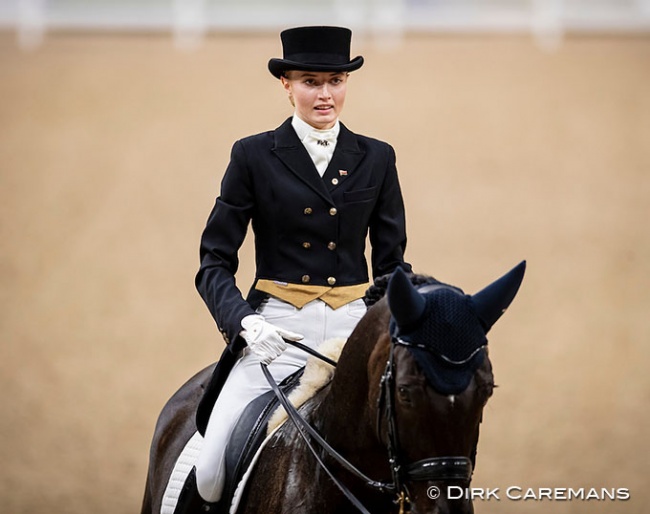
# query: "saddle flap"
[250,432]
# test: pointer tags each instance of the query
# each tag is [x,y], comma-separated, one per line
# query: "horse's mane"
[378,289]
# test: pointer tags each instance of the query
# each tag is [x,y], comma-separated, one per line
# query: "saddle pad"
[186,461]
[184,464]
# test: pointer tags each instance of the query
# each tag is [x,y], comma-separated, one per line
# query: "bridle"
[430,469]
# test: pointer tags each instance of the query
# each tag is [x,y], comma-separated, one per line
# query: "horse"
[398,422]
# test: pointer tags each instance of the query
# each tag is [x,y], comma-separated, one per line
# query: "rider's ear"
[491,302]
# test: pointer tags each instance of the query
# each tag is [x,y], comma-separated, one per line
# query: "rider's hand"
[265,339]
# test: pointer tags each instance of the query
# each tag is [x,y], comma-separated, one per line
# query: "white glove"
[265,339]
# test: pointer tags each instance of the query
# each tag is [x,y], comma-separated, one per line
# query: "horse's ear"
[490,303]
[405,303]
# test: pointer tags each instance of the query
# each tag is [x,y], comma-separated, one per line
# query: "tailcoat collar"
[346,158]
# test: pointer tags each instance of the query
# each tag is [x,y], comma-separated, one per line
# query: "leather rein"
[430,469]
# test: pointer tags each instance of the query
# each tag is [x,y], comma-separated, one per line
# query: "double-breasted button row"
[306,279]
[308,210]
[330,246]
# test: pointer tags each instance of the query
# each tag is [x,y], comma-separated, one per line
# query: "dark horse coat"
[271,181]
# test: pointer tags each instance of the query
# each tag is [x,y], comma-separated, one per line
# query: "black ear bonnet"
[444,328]
[448,343]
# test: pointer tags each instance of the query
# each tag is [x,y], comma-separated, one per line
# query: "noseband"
[438,469]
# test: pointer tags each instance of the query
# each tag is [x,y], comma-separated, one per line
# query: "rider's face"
[317,96]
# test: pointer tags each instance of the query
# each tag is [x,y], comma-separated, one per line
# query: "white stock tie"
[321,147]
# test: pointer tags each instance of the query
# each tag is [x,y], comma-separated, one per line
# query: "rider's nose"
[324,91]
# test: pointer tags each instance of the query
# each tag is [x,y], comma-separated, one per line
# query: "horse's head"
[437,381]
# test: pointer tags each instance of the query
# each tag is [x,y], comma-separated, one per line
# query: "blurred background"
[522,131]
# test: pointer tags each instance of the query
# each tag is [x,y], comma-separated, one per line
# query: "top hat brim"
[278,66]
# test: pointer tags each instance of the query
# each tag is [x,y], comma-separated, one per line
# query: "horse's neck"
[348,412]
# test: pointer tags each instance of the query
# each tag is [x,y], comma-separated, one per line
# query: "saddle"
[249,433]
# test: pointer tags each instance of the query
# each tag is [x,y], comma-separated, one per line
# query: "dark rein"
[430,469]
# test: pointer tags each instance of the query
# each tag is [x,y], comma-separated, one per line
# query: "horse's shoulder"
[180,408]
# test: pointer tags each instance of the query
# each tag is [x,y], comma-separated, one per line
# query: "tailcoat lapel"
[346,158]
[293,154]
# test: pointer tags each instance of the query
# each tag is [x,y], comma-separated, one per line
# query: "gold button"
[333,211]
[305,279]
[331,245]
[308,210]
[335,181]
[306,245]
[331,281]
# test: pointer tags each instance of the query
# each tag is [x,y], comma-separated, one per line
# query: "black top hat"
[315,49]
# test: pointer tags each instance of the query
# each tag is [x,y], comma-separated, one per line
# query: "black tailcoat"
[308,229]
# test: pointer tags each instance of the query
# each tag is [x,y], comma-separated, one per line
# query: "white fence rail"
[188,20]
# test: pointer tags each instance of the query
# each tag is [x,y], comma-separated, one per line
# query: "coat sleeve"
[223,236]
[387,226]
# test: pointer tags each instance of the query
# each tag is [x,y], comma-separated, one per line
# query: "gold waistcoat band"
[300,295]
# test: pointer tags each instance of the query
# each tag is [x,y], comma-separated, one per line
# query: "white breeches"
[318,322]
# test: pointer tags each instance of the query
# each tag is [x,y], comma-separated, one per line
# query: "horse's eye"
[404,394]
